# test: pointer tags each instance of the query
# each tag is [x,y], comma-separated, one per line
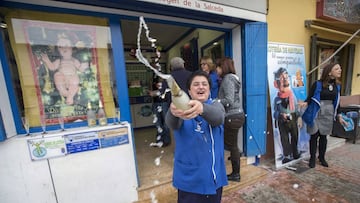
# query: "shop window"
[214,49]
[59,66]
[322,49]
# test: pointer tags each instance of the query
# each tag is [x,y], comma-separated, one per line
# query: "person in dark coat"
[161,102]
[179,73]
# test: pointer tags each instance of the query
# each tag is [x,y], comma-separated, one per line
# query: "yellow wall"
[286,25]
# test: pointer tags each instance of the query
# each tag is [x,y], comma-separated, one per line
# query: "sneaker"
[285,160]
[234,177]
[296,156]
[166,144]
[156,144]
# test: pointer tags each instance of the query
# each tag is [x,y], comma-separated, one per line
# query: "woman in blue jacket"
[207,65]
[199,167]
[323,101]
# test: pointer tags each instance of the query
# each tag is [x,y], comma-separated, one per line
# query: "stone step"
[160,192]
[334,142]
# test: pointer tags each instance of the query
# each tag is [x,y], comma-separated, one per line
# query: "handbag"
[349,123]
[234,120]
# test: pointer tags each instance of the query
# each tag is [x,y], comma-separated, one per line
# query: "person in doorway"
[207,65]
[161,101]
[229,96]
[322,109]
[199,167]
[179,73]
[286,116]
[66,78]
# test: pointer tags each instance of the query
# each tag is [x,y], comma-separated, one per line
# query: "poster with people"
[287,86]
[60,69]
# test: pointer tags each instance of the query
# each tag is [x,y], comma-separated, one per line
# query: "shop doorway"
[174,40]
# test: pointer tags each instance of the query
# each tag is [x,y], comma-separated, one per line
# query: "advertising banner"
[63,69]
[287,86]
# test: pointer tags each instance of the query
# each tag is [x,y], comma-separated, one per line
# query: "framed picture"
[340,10]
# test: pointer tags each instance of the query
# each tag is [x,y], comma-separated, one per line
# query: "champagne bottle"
[101,115]
[178,96]
[91,117]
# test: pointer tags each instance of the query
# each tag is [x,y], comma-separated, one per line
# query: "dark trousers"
[314,145]
[163,132]
[231,143]
[289,145]
[188,197]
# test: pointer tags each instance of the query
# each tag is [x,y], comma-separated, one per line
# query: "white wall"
[236,50]
[103,175]
[21,179]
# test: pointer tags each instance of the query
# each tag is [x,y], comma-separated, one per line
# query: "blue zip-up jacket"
[214,84]
[199,165]
[314,106]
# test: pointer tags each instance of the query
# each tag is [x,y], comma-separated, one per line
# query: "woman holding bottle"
[199,166]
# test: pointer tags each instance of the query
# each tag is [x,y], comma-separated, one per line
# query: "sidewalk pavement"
[338,183]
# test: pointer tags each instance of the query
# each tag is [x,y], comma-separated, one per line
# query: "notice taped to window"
[46,147]
[82,142]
